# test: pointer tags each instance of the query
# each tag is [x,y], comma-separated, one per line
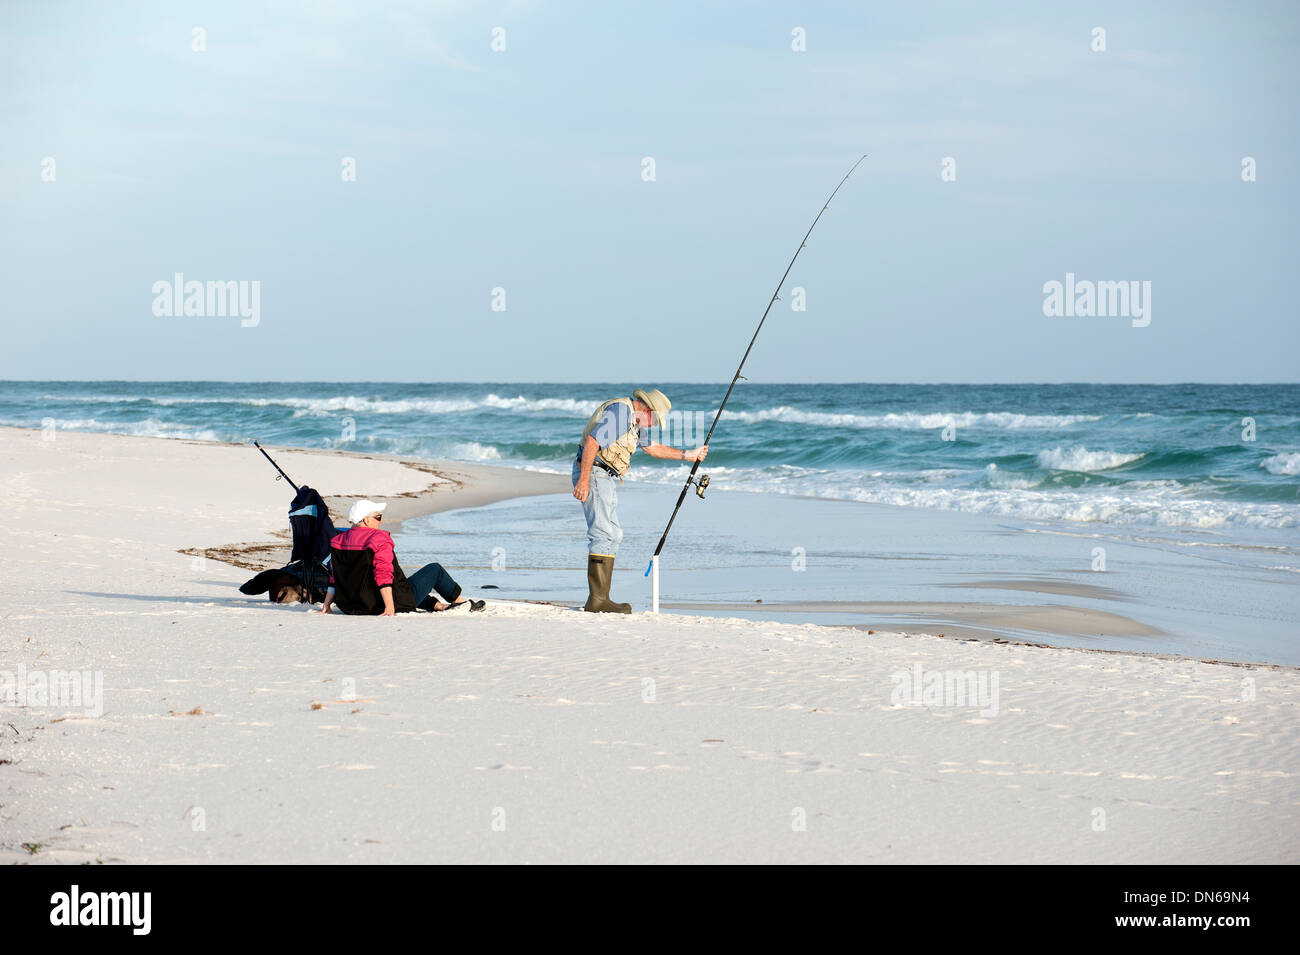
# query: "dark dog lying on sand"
[282,586]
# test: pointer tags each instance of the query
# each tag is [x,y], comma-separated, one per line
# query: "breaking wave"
[359,405]
[148,428]
[1081,459]
[1287,463]
[473,451]
[910,420]
[1164,504]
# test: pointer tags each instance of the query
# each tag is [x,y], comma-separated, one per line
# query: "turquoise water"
[1175,457]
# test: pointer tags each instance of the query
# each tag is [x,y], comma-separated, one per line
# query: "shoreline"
[431,487]
[891,569]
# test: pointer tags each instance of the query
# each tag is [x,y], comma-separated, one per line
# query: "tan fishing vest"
[617,454]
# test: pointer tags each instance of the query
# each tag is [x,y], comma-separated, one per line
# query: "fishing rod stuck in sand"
[652,570]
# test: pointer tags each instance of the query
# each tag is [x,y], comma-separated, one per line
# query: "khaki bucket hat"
[656,401]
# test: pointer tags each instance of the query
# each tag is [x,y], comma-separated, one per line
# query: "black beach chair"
[312,529]
[307,575]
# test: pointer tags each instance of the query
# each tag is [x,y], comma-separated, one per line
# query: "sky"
[142,140]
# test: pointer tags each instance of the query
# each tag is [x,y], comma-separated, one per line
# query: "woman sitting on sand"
[368,580]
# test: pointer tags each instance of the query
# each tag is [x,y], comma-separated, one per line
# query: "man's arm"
[382,545]
[589,449]
[668,453]
[329,594]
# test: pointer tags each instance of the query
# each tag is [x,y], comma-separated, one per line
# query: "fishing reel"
[700,484]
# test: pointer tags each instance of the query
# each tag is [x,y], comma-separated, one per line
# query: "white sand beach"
[236,730]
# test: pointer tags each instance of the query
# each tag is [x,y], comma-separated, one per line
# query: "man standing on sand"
[613,433]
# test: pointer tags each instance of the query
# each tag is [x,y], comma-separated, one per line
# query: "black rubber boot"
[600,570]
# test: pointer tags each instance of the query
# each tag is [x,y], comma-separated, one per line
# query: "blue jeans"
[431,578]
[601,510]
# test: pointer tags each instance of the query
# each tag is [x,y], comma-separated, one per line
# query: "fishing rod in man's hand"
[703,481]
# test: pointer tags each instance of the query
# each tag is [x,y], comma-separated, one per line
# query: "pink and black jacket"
[362,561]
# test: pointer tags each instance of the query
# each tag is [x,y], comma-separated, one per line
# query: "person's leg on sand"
[603,536]
[432,580]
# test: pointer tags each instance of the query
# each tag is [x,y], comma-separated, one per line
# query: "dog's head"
[286,594]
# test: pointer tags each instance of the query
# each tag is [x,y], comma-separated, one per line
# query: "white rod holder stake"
[654,584]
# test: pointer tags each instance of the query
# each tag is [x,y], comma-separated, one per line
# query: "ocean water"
[1180,457]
